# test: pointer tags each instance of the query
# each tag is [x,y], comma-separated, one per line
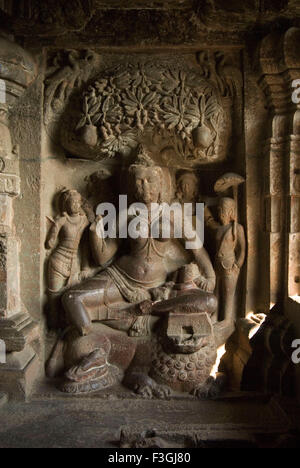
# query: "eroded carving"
[184,109]
[64,238]
[150,287]
[68,70]
[230,253]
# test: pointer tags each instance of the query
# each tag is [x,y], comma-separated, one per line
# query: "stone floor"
[53,422]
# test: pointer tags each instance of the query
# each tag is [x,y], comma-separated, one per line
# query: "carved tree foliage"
[176,103]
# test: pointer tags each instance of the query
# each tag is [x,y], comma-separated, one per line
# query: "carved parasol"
[227,181]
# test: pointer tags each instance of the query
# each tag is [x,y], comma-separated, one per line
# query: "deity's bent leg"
[83,302]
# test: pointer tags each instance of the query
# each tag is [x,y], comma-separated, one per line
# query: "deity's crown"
[143,158]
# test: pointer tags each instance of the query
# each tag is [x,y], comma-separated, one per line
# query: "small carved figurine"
[187,188]
[69,228]
[230,253]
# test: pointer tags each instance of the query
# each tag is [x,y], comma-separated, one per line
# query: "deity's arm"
[209,220]
[88,210]
[194,242]
[103,249]
[206,269]
[240,246]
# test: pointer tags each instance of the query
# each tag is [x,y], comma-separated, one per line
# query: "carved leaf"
[138,81]
[81,123]
[149,98]
[131,110]
[124,143]
[122,81]
[139,94]
[95,119]
[211,107]
[105,106]
[92,100]
[94,109]
[85,106]
[172,125]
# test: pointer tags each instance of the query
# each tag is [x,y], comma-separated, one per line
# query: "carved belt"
[128,288]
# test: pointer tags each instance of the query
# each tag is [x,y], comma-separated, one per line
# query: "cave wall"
[259,37]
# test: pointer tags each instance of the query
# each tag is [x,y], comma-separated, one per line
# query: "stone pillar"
[292,59]
[17,330]
[280,65]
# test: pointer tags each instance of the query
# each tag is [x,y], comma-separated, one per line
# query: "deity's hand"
[235,269]
[144,308]
[50,245]
[84,274]
[207,284]
[93,226]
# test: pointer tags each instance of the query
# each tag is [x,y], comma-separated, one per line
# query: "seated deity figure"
[128,278]
[230,253]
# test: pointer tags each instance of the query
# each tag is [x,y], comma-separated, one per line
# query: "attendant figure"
[67,229]
[230,254]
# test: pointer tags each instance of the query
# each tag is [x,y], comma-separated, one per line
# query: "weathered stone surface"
[3,399]
[187,99]
[98,424]
[18,375]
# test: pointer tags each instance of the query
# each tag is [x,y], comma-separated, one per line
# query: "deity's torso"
[145,260]
[71,231]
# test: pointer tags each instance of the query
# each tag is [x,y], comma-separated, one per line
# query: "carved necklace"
[74,219]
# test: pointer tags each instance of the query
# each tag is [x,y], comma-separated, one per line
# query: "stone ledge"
[18,331]
[17,377]
[98,423]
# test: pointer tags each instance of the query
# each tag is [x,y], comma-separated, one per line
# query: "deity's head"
[147,177]
[227,210]
[187,187]
[71,202]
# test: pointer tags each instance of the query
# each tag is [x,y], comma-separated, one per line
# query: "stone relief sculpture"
[180,108]
[61,78]
[149,296]
[230,253]
[133,276]
[187,188]
[230,243]
[151,288]
[67,70]
[222,71]
[64,237]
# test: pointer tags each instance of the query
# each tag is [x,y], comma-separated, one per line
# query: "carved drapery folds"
[185,107]
[280,65]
